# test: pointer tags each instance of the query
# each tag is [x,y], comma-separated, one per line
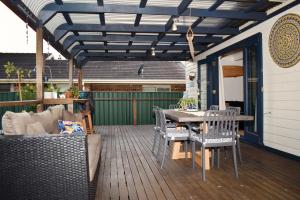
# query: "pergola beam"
[143,55]
[138,38]
[79,48]
[63,29]
[50,10]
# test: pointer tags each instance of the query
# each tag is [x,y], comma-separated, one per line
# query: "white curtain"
[222,105]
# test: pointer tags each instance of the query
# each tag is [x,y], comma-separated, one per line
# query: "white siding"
[281,92]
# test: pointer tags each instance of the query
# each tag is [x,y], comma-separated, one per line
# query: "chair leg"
[159,146]
[212,157]
[154,142]
[193,154]
[218,157]
[234,161]
[203,162]
[185,148]
[164,153]
[239,148]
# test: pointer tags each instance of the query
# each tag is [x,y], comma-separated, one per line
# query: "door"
[253,92]
[212,81]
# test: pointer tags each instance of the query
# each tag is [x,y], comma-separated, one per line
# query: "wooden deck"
[130,171]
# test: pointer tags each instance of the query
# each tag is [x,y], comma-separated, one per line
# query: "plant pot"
[83,95]
[47,95]
[68,94]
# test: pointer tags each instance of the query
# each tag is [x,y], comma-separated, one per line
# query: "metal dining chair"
[173,106]
[219,131]
[156,127]
[214,107]
[238,112]
[170,134]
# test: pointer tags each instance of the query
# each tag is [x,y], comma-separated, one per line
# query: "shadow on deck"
[130,171]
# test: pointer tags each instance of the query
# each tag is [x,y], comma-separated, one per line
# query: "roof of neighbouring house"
[99,69]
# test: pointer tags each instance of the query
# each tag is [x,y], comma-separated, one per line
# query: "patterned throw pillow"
[69,127]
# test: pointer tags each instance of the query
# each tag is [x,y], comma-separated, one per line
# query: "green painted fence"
[117,108]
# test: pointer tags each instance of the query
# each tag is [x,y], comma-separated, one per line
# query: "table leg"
[177,152]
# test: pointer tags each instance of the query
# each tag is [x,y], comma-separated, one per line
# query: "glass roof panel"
[73,45]
[165,3]
[63,38]
[212,22]
[85,18]
[186,20]
[154,19]
[80,1]
[119,18]
[36,6]
[233,5]
[122,2]
[93,43]
[56,21]
[90,33]
[202,4]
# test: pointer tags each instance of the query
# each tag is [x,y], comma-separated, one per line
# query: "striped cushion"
[216,140]
[173,134]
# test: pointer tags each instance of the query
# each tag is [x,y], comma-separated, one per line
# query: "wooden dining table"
[186,117]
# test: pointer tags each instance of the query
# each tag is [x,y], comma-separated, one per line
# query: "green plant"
[75,92]
[11,69]
[185,103]
[52,88]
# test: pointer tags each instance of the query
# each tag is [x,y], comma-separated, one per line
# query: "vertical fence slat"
[116,108]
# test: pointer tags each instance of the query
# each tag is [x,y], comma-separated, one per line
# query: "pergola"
[105,30]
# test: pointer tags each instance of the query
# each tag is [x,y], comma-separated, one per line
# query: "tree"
[11,69]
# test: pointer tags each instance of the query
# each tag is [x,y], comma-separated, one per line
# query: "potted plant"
[72,92]
[188,103]
[51,91]
[11,69]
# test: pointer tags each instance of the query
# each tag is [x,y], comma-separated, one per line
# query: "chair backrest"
[163,122]
[219,124]
[157,117]
[173,106]
[236,109]
[214,107]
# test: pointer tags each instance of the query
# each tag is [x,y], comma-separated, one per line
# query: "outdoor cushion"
[68,116]
[57,111]
[45,118]
[94,149]
[15,123]
[35,129]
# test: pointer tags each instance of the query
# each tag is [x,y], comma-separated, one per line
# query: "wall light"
[174,25]
[152,51]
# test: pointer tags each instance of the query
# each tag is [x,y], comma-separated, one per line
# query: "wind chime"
[27,38]
[190,38]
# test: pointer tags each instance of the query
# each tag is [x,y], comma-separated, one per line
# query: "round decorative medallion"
[284,40]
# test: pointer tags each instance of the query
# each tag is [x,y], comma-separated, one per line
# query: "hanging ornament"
[190,38]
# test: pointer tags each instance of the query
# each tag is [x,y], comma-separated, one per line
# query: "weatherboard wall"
[281,91]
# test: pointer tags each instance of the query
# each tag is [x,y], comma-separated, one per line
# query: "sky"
[13,35]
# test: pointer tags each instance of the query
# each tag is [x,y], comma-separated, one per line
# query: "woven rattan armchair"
[47,167]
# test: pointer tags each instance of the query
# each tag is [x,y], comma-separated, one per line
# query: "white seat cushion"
[173,134]
[217,140]
[94,149]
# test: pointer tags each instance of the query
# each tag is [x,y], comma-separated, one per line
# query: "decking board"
[129,170]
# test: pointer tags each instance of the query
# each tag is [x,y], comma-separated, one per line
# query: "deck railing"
[111,108]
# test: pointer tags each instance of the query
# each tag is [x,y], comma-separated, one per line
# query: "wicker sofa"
[49,166]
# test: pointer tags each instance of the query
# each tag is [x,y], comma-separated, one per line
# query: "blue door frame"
[213,79]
